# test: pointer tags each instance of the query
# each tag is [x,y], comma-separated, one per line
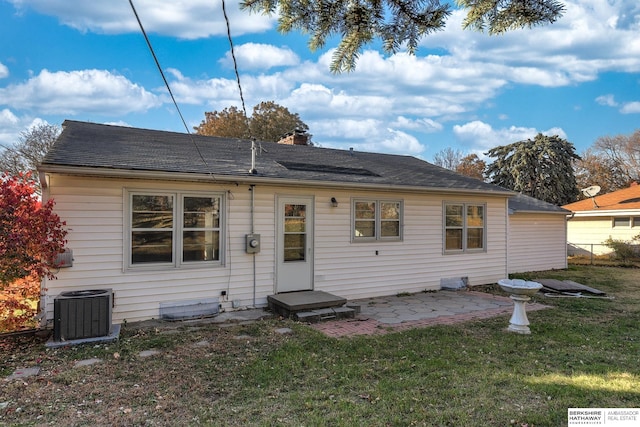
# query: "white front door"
[295,244]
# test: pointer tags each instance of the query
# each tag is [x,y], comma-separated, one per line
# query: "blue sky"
[70,59]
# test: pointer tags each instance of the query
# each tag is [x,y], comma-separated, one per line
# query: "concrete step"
[323,314]
[291,303]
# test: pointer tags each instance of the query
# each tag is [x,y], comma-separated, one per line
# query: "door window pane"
[294,225]
[295,210]
[295,238]
[294,247]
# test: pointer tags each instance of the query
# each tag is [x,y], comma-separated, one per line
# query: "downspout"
[566,239]
[253,200]
[42,303]
[507,227]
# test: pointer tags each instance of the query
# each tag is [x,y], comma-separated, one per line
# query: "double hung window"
[174,229]
[465,227]
[377,220]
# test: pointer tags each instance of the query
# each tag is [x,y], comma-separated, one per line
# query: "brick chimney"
[296,137]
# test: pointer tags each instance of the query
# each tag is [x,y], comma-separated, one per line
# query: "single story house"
[168,219]
[593,220]
[537,235]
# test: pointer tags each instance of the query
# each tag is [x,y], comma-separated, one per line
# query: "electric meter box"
[252,243]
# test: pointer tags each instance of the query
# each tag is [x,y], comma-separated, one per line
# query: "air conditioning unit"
[82,314]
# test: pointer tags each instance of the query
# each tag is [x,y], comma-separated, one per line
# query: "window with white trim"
[621,221]
[174,229]
[464,227]
[377,220]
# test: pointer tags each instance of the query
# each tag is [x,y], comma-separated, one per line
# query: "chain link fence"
[594,251]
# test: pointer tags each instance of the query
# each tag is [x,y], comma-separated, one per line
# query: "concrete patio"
[397,313]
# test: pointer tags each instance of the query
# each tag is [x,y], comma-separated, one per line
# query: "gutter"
[565,212]
[253,179]
[610,212]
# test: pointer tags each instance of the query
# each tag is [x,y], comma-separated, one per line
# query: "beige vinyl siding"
[586,235]
[537,242]
[94,211]
[417,263]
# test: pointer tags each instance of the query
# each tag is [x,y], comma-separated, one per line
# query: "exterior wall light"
[334,202]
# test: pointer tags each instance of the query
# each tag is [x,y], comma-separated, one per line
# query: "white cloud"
[118,123]
[4,71]
[365,135]
[349,129]
[11,126]
[220,93]
[423,125]
[626,108]
[79,92]
[188,20]
[370,136]
[401,143]
[630,108]
[7,118]
[585,42]
[482,135]
[258,56]
[200,92]
[607,100]
[317,99]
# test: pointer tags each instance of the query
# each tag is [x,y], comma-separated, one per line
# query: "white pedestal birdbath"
[520,292]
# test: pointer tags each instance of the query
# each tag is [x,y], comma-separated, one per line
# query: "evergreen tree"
[540,168]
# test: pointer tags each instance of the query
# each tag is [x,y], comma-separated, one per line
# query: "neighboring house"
[537,235]
[169,219]
[613,215]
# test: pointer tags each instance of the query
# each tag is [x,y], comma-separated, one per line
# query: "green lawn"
[582,353]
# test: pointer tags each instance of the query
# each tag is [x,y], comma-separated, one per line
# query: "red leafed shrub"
[19,304]
[31,236]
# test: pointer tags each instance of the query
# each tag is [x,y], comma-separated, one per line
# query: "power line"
[166,83]
[235,66]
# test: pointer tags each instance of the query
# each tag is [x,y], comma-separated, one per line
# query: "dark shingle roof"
[117,149]
[524,203]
